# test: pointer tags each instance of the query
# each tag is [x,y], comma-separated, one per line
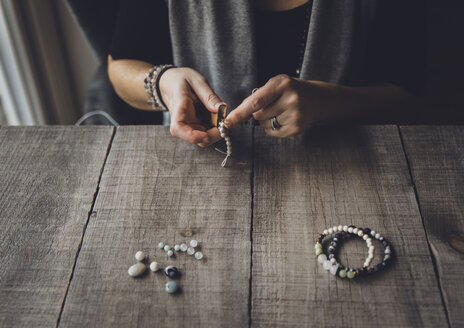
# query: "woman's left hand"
[297,104]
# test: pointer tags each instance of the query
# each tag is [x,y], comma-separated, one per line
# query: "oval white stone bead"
[170,253]
[330,231]
[183,247]
[137,269]
[360,233]
[333,260]
[193,243]
[340,228]
[373,233]
[334,229]
[167,248]
[365,237]
[140,256]
[317,246]
[198,255]
[377,236]
[345,228]
[160,245]
[355,230]
[154,266]
[333,269]
[321,258]
[190,251]
[176,248]
[327,265]
[326,232]
[369,240]
[350,229]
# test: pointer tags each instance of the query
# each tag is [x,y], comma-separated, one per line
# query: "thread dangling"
[228,143]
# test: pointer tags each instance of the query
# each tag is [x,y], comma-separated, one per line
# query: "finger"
[263,97]
[275,109]
[188,133]
[284,118]
[283,132]
[214,136]
[206,95]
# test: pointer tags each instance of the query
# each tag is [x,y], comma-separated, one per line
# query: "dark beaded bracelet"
[330,262]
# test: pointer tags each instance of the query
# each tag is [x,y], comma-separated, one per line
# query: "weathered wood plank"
[436,157]
[48,176]
[155,187]
[338,176]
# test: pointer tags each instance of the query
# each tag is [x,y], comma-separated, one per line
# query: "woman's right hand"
[185,92]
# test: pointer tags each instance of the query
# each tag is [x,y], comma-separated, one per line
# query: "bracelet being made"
[330,262]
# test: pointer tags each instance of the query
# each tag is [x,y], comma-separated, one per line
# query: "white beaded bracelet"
[151,83]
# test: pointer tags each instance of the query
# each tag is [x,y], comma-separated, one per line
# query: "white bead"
[193,243]
[345,228]
[369,240]
[387,250]
[198,255]
[333,260]
[326,232]
[373,233]
[176,248]
[167,248]
[330,231]
[333,269]
[350,229]
[137,269]
[190,251]
[140,256]
[360,233]
[340,228]
[377,236]
[154,266]
[355,231]
[335,229]
[183,247]
[321,258]
[327,265]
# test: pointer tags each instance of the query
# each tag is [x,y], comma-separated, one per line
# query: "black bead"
[367,231]
[381,239]
[331,249]
[333,244]
[172,272]
[351,226]
[335,239]
[384,243]
[338,235]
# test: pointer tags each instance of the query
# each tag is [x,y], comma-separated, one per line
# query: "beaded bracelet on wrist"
[331,264]
[151,83]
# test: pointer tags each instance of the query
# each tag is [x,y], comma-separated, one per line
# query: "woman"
[315,62]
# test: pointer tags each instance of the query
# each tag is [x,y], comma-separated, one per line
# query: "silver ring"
[275,124]
[254,90]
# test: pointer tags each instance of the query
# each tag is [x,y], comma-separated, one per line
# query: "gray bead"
[137,269]
[171,287]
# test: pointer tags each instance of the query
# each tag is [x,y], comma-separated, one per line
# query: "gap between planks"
[95,195]
[252,195]
[432,256]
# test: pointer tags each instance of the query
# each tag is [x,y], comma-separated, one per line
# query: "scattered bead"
[183,247]
[350,274]
[154,266]
[161,245]
[190,251]
[170,253]
[342,273]
[198,255]
[171,272]
[171,287]
[193,243]
[167,248]
[176,248]
[137,269]
[140,256]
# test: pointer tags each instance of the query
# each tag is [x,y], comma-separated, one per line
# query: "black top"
[395,49]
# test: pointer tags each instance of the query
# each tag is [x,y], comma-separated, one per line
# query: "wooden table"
[76,203]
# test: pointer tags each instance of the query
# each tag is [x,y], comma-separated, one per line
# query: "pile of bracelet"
[329,261]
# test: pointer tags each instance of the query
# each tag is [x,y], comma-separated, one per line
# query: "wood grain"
[329,177]
[155,188]
[436,157]
[48,176]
